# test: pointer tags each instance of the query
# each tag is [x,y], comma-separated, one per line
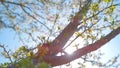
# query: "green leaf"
[105,19]
[44,65]
[95,7]
[43,37]
[78,33]
[57,16]
[11,16]
[111,9]
[5,65]
[58,28]
[107,1]
[14,55]
[83,66]
[112,23]
[5,54]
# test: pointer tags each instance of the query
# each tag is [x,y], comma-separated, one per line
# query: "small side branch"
[53,60]
[7,53]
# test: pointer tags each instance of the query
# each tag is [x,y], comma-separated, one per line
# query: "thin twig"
[7,52]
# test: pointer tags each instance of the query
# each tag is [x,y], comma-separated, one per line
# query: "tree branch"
[7,53]
[59,60]
[65,34]
[69,30]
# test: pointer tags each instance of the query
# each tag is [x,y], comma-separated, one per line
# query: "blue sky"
[7,37]
[10,38]
[112,48]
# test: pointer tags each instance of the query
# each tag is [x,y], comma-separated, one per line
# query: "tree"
[51,24]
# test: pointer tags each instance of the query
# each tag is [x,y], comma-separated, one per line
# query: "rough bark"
[64,36]
[60,41]
[59,60]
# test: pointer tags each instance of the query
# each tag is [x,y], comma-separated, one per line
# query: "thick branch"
[70,29]
[59,60]
[65,34]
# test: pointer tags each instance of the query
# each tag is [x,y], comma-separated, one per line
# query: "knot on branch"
[43,50]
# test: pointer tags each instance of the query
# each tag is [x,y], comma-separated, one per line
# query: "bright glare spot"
[70,50]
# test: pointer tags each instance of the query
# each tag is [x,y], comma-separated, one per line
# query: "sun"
[70,50]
